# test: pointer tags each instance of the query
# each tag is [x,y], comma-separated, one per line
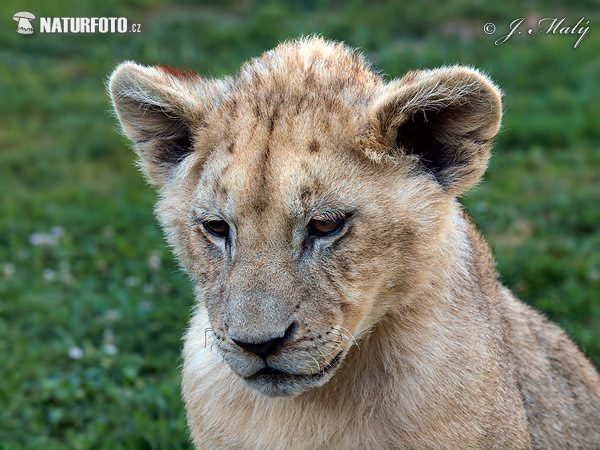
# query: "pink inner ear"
[182,74]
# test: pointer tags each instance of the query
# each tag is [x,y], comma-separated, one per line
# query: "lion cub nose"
[268,347]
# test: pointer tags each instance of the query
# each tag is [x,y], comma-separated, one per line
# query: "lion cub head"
[306,196]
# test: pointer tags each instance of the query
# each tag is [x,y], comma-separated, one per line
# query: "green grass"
[91,324]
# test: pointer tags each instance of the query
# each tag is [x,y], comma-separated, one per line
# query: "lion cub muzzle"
[271,346]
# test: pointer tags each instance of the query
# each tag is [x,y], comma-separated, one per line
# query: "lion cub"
[345,299]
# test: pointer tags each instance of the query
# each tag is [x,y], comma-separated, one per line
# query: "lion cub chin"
[345,299]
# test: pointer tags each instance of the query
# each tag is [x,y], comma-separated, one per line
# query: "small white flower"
[65,274]
[112,315]
[132,282]
[35,239]
[8,270]
[49,239]
[108,233]
[108,344]
[109,349]
[75,353]
[57,232]
[154,261]
[41,240]
[49,274]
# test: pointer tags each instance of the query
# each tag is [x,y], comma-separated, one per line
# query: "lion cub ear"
[446,117]
[161,109]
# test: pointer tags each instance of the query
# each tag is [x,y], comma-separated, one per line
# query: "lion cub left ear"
[446,117]
[161,109]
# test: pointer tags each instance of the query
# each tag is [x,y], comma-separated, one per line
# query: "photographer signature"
[549,25]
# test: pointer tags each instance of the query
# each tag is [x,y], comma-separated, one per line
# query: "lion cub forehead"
[290,184]
[289,119]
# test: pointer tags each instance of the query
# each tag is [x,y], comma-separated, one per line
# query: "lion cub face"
[305,196]
[289,243]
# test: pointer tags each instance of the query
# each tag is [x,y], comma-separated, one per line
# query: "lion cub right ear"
[445,117]
[161,109]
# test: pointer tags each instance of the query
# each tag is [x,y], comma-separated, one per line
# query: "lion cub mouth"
[275,382]
[268,370]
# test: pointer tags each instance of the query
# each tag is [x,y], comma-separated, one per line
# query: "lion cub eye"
[324,228]
[219,228]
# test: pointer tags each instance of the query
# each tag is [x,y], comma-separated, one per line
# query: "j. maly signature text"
[549,25]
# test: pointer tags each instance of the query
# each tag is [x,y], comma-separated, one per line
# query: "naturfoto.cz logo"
[75,24]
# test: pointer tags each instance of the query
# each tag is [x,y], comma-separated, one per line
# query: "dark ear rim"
[446,118]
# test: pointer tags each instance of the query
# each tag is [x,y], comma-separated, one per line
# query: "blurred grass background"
[92,305]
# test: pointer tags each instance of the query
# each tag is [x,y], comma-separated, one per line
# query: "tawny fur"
[433,350]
